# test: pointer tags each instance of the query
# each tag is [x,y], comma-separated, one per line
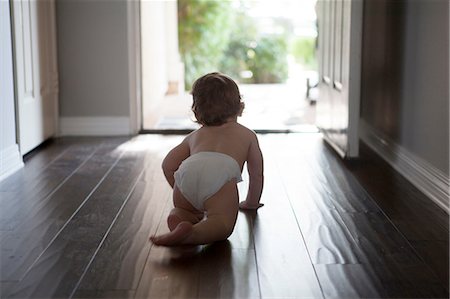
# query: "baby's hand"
[245,206]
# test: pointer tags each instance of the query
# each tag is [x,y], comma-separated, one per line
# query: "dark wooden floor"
[75,223]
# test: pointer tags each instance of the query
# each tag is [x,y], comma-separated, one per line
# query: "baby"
[206,166]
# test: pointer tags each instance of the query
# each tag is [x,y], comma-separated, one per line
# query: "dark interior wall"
[405,80]
[93,58]
[425,101]
[383,30]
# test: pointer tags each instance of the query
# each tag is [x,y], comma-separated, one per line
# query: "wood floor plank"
[436,255]
[419,220]
[412,281]
[57,271]
[339,232]
[419,228]
[284,266]
[326,235]
[170,272]
[321,233]
[116,294]
[408,208]
[227,272]
[212,271]
[349,281]
[120,261]
[169,275]
[348,194]
[43,157]
[23,201]
[382,247]
[35,163]
[376,238]
[21,246]
[242,236]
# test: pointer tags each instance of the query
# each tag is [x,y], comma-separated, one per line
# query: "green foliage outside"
[242,39]
[303,49]
[268,61]
[265,56]
[215,36]
[203,32]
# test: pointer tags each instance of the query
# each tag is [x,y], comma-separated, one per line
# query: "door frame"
[135,74]
[134,66]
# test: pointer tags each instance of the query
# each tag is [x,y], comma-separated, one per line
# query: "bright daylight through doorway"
[267,46]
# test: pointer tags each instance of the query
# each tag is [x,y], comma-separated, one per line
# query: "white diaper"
[203,174]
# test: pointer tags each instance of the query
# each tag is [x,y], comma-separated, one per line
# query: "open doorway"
[268,47]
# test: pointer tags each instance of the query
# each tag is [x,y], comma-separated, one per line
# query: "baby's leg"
[179,221]
[183,211]
[221,209]
[221,214]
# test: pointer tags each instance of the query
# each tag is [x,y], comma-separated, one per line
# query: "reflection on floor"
[75,222]
[267,107]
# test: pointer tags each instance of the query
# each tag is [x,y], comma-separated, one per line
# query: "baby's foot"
[175,237]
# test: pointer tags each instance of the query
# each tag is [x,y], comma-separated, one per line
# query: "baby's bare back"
[231,138]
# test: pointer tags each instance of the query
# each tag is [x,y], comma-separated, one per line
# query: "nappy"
[203,174]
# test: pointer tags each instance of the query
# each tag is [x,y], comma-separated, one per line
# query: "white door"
[36,74]
[340,32]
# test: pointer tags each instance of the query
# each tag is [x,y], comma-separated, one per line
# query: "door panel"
[36,73]
[340,25]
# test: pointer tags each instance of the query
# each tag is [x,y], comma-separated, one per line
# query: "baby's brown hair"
[216,98]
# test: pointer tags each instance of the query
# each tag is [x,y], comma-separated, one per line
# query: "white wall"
[98,53]
[94,67]
[10,158]
[174,65]
[154,54]
[161,66]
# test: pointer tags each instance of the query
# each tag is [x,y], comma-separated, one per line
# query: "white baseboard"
[10,161]
[95,126]
[431,181]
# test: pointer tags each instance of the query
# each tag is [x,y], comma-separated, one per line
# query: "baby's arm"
[256,173]
[173,160]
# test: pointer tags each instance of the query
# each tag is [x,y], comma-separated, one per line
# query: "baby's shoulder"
[190,137]
[246,131]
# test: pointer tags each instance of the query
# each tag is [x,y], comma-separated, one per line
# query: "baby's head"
[216,99]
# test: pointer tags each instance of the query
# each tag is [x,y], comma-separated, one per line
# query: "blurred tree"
[243,38]
[204,30]
[303,49]
[214,35]
[252,57]
[269,61]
